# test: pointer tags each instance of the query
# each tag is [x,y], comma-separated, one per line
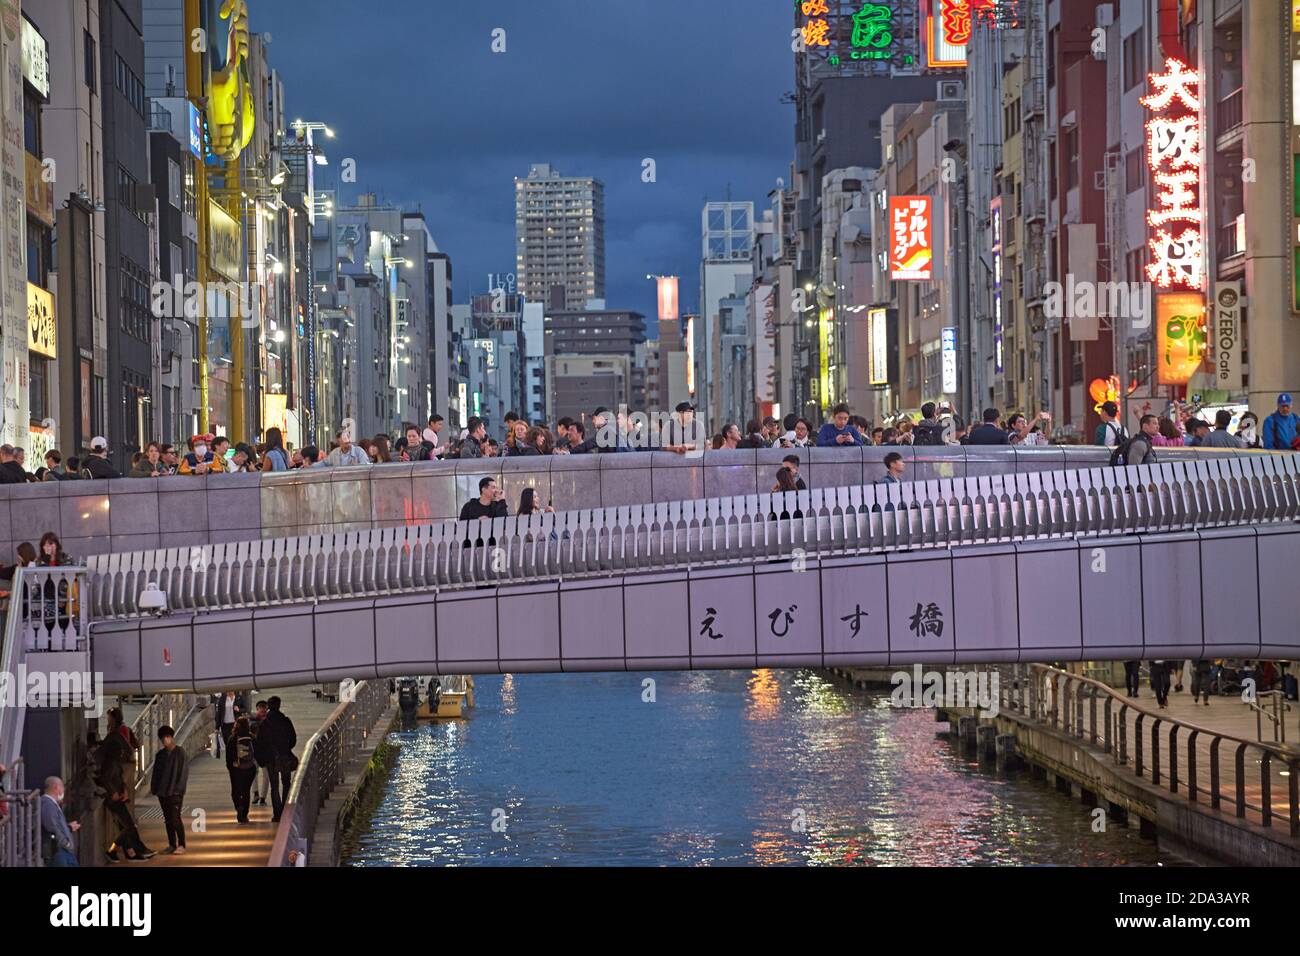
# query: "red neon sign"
[1176,237]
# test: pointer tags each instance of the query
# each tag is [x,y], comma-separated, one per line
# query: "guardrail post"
[1137,744]
[1155,751]
[1293,784]
[1215,796]
[1110,726]
[1266,789]
[1191,765]
[1241,781]
[1173,758]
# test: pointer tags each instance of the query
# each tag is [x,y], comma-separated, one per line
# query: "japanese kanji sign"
[1174,157]
[911,254]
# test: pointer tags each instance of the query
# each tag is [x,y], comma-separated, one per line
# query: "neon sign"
[948,25]
[816,30]
[1174,157]
[873,32]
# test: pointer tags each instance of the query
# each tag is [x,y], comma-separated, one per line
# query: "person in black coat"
[170,775]
[225,716]
[241,764]
[989,433]
[281,739]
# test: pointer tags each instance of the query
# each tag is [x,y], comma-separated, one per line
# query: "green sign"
[873,32]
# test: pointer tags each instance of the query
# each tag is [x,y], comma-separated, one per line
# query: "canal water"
[722,768]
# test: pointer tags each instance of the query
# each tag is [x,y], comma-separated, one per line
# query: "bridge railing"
[938,514]
[324,762]
[20,819]
[1259,780]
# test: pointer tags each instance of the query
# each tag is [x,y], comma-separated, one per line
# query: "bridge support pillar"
[1007,758]
[966,729]
[988,735]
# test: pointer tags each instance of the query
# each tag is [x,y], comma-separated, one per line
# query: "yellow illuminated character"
[230,103]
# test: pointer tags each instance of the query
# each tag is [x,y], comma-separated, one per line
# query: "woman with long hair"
[50,551]
[530,504]
[1170,434]
[383,449]
[516,439]
[539,438]
[275,458]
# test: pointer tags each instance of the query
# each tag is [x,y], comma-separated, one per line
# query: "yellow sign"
[40,190]
[1295,16]
[225,250]
[231,113]
[825,335]
[1180,336]
[41,323]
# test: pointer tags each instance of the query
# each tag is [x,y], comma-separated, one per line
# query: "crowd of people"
[259,760]
[1208,677]
[613,432]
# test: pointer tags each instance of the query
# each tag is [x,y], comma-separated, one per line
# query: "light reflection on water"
[722,769]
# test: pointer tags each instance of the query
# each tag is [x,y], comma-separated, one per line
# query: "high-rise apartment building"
[560,236]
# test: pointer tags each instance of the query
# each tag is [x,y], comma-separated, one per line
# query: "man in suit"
[56,831]
[988,433]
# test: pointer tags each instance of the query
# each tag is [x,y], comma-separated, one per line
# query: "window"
[1072,158]
[191,190]
[129,85]
[37,379]
[135,301]
[38,253]
[90,60]
[1076,363]
[174,183]
[1133,166]
[1134,59]
[32,124]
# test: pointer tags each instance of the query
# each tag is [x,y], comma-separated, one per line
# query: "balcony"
[1228,113]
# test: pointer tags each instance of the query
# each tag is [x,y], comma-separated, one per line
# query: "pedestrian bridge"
[1189,558]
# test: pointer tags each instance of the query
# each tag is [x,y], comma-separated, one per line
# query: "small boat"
[446,697]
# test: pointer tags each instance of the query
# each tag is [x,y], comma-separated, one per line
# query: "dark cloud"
[435,119]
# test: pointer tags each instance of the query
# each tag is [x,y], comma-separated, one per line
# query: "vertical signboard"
[878,342]
[911,249]
[948,25]
[995,222]
[667,289]
[1174,157]
[948,346]
[1227,336]
[13,230]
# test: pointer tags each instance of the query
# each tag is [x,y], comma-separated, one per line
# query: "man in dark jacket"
[988,433]
[281,739]
[929,430]
[11,472]
[96,463]
[262,753]
[170,775]
[472,446]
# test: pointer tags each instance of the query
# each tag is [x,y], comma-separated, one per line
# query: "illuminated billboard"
[948,25]
[1180,336]
[1174,157]
[878,344]
[667,288]
[911,253]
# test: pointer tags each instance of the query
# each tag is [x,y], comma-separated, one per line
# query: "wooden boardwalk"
[222,841]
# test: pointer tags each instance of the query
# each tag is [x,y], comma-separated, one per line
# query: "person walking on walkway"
[263,754]
[242,766]
[1160,681]
[1201,669]
[226,709]
[1132,674]
[281,739]
[170,774]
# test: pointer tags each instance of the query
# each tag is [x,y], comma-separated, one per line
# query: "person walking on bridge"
[281,739]
[1160,681]
[242,767]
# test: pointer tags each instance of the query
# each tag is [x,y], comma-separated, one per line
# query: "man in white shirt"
[1110,432]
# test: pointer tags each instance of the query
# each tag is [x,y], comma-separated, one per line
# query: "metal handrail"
[20,821]
[325,760]
[1277,716]
[1055,698]
[848,520]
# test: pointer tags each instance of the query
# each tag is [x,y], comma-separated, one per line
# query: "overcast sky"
[436,120]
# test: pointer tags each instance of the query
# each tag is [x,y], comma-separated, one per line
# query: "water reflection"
[761,767]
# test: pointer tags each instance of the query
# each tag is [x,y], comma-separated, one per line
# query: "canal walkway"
[219,840]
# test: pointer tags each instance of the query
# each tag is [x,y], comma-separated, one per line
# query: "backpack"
[1119,457]
[244,759]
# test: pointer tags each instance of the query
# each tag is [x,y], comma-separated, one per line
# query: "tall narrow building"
[560,236]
